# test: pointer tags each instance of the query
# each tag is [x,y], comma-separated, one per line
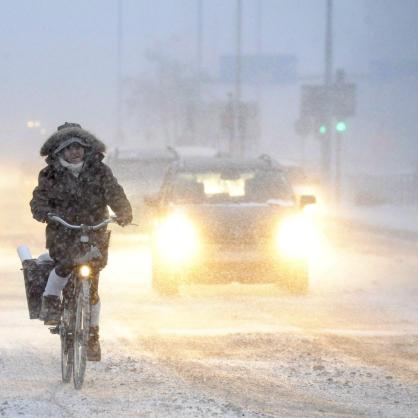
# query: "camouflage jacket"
[83,199]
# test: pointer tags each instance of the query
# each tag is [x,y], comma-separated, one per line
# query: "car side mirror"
[306,200]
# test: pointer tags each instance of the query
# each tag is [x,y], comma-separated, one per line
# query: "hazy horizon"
[59,62]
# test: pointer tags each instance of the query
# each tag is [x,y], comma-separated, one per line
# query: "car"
[218,220]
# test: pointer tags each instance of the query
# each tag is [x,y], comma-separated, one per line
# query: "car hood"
[232,223]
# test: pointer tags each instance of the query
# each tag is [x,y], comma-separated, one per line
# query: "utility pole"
[119,133]
[326,148]
[338,150]
[195,102]
[259,51]
[259,26]
[237,148]
[344,107]
[199,37]
[324,110]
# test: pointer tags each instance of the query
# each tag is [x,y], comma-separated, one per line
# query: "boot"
[50,310]
[93,349]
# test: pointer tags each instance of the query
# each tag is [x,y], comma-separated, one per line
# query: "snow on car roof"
[222,163]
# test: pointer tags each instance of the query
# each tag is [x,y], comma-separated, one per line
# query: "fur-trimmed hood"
[65,133]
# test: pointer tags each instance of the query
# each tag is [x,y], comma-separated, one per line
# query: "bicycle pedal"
[54,330]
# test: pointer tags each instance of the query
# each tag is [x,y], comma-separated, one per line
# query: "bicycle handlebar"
[82,226]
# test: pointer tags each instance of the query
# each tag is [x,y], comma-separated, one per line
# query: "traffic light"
[341,126]
[322,129]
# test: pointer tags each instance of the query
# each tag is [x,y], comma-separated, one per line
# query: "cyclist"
[77,186]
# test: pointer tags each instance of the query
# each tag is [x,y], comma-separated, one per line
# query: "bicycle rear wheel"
[81,331]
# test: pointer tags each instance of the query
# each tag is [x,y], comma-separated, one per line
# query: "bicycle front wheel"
[67,346]
[81,331]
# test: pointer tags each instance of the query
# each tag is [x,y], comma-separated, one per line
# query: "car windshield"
[231,186]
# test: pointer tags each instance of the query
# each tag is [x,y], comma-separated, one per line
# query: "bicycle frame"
[75,316]
[74,328]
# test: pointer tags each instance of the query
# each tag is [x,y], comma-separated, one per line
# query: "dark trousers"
[64,265]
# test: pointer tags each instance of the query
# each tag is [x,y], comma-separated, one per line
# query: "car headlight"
[176,239]
[296,236]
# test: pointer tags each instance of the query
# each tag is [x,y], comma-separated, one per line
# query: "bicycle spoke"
[81,332]
[67,353]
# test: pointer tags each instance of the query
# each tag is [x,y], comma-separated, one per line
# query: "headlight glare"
[85,271]
[296,236]
[176,239]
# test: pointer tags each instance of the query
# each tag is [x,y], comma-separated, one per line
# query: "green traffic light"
[341,126]
[322,129]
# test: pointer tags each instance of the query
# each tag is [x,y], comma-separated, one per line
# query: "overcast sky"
[59,58]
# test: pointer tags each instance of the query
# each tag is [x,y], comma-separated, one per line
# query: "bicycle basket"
[36,277]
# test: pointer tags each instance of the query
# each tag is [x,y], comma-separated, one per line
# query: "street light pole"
[259,23]
[329,43]
[199,37]
[338,150]
[259,50]
[326,148]
[238,146]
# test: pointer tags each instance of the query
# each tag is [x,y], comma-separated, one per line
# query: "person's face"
[74,153]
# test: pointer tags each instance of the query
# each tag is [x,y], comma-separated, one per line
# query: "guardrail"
[380,189]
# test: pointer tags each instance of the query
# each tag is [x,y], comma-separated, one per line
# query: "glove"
[124,220]
[41,215]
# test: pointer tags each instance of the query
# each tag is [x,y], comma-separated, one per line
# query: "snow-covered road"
[349,348]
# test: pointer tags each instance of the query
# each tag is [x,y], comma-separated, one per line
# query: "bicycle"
[74,325]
